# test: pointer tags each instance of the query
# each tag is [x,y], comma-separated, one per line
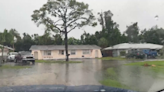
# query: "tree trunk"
[13,47]
[2,54]
[67,73]
[66,46]
[1,57]
[163,51]
[66,38]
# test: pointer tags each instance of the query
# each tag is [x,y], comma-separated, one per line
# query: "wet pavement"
[90,72]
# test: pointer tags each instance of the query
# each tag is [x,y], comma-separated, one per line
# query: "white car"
[11,56]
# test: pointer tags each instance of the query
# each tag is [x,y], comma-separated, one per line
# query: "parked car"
[24,57]
[11,56]
[150,53]
[136,54]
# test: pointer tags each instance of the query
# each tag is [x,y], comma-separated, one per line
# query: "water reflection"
[135,77]
[67,73]
[90,72]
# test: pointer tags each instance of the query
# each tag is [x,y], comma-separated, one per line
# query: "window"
[61,52]
[47,52]
[86,51]
[13,53]
[73,52]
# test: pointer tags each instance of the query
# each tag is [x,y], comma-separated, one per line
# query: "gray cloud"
[17,14]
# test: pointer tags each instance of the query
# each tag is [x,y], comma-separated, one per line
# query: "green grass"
[13,67]
[111,73]
[48,61]
[158,68]
[112,58]
[117,58]
[113,83]
[157,63]
[111,79]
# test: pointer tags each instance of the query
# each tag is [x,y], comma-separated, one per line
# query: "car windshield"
[13,53]
[25,53]
[107,43]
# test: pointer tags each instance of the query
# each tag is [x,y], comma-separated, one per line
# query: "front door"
[36,55]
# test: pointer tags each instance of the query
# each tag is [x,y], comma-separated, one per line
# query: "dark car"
[136,54]
[23,57]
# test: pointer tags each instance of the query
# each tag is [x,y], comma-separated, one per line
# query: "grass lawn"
[13,67]
[117,58]
[111,79]
[156,63]
[49,61]
[156,66]
[112,58]
[113,83]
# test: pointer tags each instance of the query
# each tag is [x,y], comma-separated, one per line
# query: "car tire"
[8,60]
[33,62]
[24,61]
[15,61]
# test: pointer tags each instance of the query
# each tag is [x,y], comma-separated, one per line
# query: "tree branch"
[56,13]
[60,13]
[57,28]
[54,26]
[57,21]
[76,20]
[72,29]
[65,13]
[73,11]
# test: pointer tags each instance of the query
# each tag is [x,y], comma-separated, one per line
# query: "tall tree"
[110,29]
[153,35]
[87,38]
[101,20]
[68,14]
[58,39]
[2,37]
[73,41]
[27,42]
[124,39]
[36,39]
[103,42]
[132,33]
[14,34]
[106,21]
[115,37]
[46,39]
[6,39]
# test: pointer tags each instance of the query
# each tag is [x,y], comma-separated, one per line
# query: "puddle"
[90,72]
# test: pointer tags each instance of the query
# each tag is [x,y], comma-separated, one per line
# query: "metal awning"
[134,46]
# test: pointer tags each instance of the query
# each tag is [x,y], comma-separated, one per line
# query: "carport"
[126,47]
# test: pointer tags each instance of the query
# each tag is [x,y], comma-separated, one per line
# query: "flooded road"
[90,72]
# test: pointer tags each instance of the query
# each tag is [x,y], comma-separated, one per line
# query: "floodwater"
[90,72]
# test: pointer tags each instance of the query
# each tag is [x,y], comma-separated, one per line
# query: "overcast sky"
[17,14]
